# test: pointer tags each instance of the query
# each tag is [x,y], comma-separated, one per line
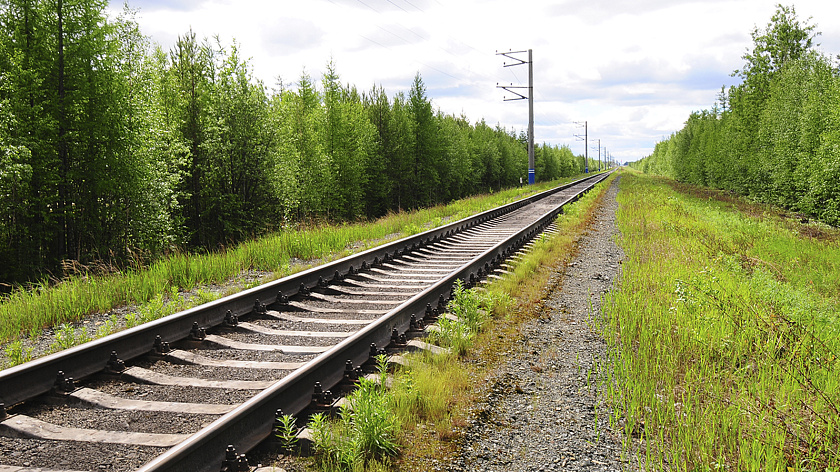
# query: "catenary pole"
[519,96]
[532,176]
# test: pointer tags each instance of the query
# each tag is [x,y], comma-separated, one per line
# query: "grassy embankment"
[429,399]
[725,332]
[154,290]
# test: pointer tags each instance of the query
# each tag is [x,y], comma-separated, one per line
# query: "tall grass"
[27,311]
[365,432]
[430,396]
[371,426]
[471,311]
[724,334]
[436,396]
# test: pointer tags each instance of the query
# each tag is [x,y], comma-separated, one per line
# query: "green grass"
[724,334]
[430,397]
[364,435]
[472,311]
[375,422]
[440,391]
[25,312]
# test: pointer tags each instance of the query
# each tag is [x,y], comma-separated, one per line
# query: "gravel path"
[543,410]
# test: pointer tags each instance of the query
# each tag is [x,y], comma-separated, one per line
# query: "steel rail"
[251,422]
[37,377]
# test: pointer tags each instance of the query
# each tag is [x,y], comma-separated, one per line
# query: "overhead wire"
[402,38]
[365,4]
[543,119]
[418,9]
[401,8]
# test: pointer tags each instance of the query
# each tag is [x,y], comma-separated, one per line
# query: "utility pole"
[519,96]
[599,155]
[585,139]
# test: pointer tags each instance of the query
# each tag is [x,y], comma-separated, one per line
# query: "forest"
[114,150]
[775,137]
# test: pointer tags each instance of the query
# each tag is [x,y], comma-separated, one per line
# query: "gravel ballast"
[543,410]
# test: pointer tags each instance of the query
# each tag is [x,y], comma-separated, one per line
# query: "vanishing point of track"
[173,394]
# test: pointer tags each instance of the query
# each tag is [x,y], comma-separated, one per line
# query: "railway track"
[174,394]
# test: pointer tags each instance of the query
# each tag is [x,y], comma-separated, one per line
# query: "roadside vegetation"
[185,150]
[724,332]
[413,423]
[775,136]
[158,290]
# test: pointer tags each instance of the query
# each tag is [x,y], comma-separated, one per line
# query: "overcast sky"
[634,70]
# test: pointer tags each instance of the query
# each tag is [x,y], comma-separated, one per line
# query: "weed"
[132,320]
[18,353]
[466,306]
[724,336]
[43,304]
[412,229]
[470,310]
[286,432]
[65,337]
[365,431]
[108,327]
[453,334]
[428,397]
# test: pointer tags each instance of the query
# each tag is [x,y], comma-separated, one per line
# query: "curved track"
[198,381]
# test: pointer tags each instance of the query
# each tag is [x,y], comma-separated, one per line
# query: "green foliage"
[17,353]
[286,432]
[128,171]
[724,335]
[365,432]
[785,39]
[114,150]
[466,306]
[773,137]
[470,310]
[27,311]
[66,336]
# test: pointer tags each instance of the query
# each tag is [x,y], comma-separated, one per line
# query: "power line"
[374,42]
[421,63]
[365,4]
[585,139]
[418,9]
[401,8]
[476,74]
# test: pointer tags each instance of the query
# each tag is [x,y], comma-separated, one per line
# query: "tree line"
[111,147]
[774,137]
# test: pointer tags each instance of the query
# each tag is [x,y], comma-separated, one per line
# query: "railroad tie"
[23,426]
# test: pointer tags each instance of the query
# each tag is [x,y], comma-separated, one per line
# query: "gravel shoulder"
[544,410]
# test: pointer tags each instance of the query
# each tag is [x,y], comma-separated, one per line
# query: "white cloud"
[634,70]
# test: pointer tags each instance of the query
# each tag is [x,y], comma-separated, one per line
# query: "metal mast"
[519,96]
[585,139]
[599,153]
[532,175]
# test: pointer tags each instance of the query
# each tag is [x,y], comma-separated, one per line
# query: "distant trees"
[774,136]
[114,149]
